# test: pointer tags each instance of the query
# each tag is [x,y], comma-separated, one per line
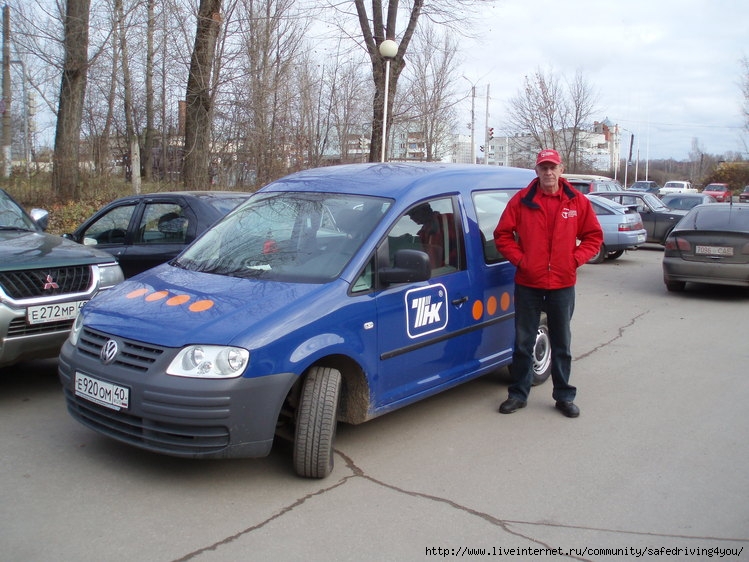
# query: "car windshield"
[12,216]
[654,203]
[287,236]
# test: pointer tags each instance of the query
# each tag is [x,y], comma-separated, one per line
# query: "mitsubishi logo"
[108,352]
[50,284]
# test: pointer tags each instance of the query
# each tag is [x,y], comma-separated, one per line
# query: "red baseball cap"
[548,155]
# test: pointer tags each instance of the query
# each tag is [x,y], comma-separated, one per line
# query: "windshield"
[289,236]
[12,216]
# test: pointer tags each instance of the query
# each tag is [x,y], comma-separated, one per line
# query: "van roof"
[392,179]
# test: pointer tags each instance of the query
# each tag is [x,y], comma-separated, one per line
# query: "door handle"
[461,300]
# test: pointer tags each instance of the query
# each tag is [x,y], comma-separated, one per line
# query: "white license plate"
[641,238]
[714,250]
[107,394]
[53,312]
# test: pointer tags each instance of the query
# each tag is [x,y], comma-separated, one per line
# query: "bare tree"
[198,107]
[553,115]
[378,26]
[65,173]
[431,88]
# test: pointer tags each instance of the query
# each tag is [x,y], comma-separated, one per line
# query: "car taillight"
[628,226]
[676,243]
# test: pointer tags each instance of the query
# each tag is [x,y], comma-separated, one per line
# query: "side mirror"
[408,266]
[41,217]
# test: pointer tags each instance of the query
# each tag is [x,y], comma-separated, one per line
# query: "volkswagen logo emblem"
[108,352]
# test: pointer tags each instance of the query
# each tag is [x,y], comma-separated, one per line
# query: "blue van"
[333,294]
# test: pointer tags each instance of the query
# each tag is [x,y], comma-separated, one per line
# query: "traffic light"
[491,133]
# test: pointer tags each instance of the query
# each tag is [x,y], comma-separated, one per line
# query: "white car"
[677,187]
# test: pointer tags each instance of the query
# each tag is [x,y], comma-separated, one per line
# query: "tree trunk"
[149,142]
[65,173]
[198,97]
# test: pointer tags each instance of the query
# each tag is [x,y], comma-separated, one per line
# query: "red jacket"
[544,259]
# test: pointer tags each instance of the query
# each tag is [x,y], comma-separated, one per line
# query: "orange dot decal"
[505,303]
[179,299]
[478,310]
[158,295]
[136,293]
[201,306]
[491,306]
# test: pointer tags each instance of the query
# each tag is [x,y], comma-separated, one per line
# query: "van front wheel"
[314,436]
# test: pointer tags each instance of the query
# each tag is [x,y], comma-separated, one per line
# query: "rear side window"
[489,207]
[432,227]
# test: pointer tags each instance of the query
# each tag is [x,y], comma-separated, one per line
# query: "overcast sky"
[669,71]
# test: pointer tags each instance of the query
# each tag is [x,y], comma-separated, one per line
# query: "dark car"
[622,228]
[744,195]
[592,184]
[709,245]
[143,231]
[658,219]
[645,186]
[685,201]
[44,281]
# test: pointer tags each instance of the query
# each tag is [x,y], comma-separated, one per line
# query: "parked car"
[143,231]
[677,187]
[319,299]
[590,183]
[622,228]
[709,246]
[44,281]
[657,218]
[685,201]
[720,191]
[645,186]
[744,195]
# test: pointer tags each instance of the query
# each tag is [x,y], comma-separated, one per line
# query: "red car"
[720,191]
[744,195]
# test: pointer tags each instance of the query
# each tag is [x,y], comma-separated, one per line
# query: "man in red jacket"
[547,231]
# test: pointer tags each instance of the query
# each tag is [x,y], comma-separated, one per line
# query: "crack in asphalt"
[505,524]
[619,335]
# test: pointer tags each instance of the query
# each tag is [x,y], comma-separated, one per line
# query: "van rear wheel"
[316,420]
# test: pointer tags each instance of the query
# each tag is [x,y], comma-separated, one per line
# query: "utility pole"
[486,129]
[5,106]
[473,124]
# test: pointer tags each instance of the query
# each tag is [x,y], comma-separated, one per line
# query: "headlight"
[110,275]
[209,362]
[75,331]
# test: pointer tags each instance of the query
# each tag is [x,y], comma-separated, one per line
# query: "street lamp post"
[388,50]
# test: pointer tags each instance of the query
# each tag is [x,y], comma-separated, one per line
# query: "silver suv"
[44,281]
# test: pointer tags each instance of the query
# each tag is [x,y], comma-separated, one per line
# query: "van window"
[489,207]
[431,227]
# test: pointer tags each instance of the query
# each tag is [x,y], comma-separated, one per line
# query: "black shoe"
[568,409]
[511,405]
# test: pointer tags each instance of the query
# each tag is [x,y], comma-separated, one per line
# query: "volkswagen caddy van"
[332,295]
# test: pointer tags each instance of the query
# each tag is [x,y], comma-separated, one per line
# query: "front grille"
[48,282]
[133,355]
[18,327]
[186,440]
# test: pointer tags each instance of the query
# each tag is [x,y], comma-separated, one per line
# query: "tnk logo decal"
[426,310]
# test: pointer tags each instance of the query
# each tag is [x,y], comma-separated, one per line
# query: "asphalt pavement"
[655,467]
